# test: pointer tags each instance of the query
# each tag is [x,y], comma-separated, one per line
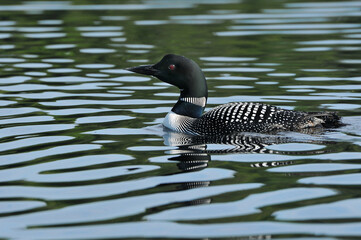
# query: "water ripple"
[104,102]
[32,142]
[94,65]
[33,65]
[100,119]
[45,35]
[28,156]
[17,111]
[27,120]
[23,130]
[337,210]
[11,60]
[36,172]
[35,87]
[316,167]
[102,34]
[249,205]
[97,50]
[60,46]
[18,206]
[187,230]
[87,175]
[238,69]
[75,111]
[342,179]
[108,189]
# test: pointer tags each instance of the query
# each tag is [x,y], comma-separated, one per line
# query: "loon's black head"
[179,71]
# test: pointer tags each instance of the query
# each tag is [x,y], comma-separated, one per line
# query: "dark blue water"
[83,154]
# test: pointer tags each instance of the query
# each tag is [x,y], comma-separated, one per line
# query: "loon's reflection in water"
[238,143]
[192,153]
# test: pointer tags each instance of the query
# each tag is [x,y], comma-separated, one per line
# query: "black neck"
[188,109]
[192,93]
[194,85]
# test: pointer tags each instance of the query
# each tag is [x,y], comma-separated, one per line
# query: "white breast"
[178,123]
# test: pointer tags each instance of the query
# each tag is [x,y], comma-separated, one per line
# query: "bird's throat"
[190,107]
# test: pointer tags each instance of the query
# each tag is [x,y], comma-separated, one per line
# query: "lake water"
[83,154]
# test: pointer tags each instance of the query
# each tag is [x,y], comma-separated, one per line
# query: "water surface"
[82,151]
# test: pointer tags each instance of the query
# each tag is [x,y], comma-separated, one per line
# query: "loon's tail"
[328,119]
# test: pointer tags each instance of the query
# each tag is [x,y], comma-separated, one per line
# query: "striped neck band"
[199,101]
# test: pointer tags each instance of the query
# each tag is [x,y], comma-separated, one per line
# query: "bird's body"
[187,114]
[246,117]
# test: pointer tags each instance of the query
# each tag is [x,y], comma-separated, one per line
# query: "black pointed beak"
[145,69]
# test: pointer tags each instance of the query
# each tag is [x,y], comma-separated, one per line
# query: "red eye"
[171,67]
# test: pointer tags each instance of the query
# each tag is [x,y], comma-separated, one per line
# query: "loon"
[187,115]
